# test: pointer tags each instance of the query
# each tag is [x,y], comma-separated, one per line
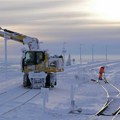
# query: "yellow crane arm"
[33,43]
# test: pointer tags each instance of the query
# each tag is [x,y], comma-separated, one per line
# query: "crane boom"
[33,43]
[39,67]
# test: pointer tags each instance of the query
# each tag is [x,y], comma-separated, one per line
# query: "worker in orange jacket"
[101,72]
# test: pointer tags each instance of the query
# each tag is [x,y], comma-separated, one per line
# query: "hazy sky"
[86,22]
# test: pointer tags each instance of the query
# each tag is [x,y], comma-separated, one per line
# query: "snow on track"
[89,96]
[18,102]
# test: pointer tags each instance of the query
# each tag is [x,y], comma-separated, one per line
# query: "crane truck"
[38,67]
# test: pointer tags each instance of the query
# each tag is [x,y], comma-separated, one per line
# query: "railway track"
[13,97]
[112,105]
[17,101]
[112,100]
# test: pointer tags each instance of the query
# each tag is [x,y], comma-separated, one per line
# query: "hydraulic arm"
[32,42]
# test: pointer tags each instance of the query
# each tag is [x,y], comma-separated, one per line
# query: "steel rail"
[118,112]
[23,103]
[107,103]
[14,98]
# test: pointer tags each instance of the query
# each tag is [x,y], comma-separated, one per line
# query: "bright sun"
[106,9]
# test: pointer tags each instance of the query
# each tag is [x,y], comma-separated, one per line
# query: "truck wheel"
[55,83]
[47,84]
[52,86]
[26,81]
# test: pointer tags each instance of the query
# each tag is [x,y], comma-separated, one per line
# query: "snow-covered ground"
[18,103]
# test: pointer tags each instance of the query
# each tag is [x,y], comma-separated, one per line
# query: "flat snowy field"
[18,103]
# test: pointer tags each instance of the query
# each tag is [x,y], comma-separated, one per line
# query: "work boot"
[100,78]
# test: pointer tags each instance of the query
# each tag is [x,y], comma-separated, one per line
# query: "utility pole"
[40,44]
[64,52]
[5,39]
[106,54]
[92,53]
[80,53]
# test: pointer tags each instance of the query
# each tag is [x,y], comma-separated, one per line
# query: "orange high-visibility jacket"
[102,70]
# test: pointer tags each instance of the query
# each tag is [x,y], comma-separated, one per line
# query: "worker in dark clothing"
[101,72]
